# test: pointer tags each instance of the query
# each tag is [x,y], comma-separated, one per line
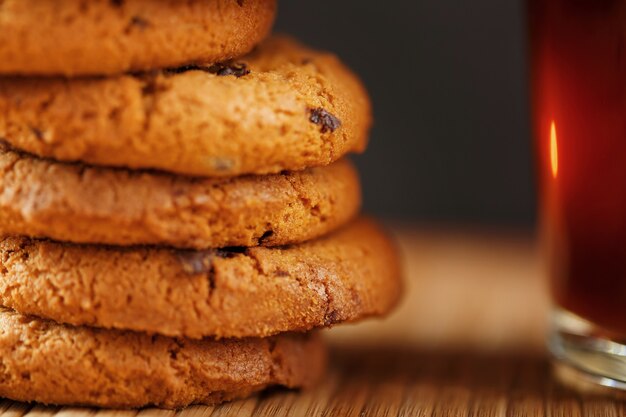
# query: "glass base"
[582,353]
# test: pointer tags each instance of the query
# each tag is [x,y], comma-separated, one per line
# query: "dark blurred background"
[451,142]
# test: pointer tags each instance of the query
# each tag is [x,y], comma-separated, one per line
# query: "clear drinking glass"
[578,81]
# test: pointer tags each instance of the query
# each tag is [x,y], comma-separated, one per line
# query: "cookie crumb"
[326,121]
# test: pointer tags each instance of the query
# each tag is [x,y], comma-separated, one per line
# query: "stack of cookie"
[176,215]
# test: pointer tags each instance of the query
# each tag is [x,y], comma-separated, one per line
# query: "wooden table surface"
[466,341]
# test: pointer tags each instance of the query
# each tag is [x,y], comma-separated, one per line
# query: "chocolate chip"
[265,236]
[240,3]
[238,69]
[117,3]
[331,318]
[281,273]
[326,121]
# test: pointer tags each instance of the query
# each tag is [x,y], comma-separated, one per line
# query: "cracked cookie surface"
[234,292]
[283,107]
[96,37]
[76,203]
[56,364]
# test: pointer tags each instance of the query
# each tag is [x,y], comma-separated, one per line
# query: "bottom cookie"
[50,363]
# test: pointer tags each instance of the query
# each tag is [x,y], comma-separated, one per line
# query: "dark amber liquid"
[578,80]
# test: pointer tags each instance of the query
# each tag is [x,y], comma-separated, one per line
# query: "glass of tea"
[578,86]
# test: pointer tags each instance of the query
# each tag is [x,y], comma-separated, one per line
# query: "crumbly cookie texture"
[97,37]
[56,364]
[283,107]
[75,203]
[237,292]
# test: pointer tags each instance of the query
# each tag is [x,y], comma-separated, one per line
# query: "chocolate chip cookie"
[56,364]
[97,37]
[72,202]
[283,107]
[231,292]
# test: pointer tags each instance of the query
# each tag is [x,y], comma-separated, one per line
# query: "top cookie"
[76,37]
[283,107]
